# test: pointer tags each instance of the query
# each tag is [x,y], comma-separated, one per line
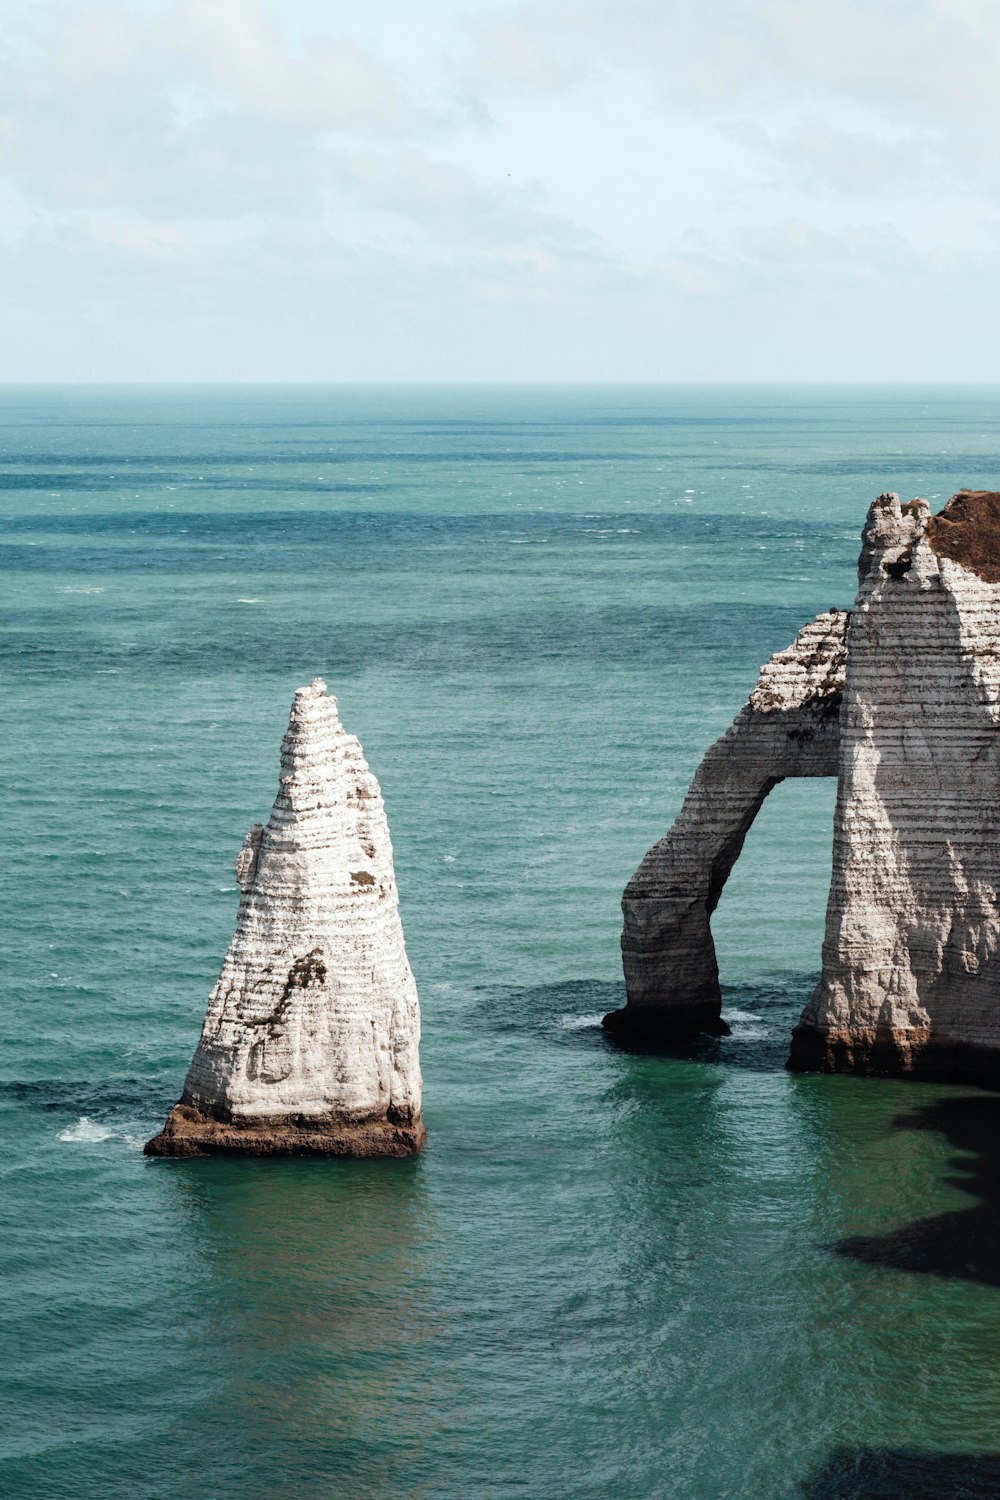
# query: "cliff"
[905,710]
[910,969]
[789,727]
[310,1041]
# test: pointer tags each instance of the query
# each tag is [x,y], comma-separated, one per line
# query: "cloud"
[820,156]
[197,108]
[158,240]
[100,44]
[443,206]
[509,55]
[629,184]
[686,272]
[925,72]
[333,85]
[795,246]
[162,167]
[742,50]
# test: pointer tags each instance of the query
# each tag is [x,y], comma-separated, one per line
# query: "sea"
[612,1274]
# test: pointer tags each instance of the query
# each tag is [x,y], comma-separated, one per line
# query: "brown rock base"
[889,1054]
[650,1024]
[191,1132]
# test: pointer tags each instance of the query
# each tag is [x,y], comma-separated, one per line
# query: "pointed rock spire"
[310,1042]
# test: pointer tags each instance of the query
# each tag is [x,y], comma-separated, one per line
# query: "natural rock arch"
[901,700]
[788,728]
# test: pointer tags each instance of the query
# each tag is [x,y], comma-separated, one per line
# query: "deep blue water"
[610,1275]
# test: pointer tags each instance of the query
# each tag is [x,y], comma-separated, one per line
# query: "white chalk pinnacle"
[310,1041]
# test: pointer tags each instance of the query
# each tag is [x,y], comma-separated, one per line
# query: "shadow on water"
[761,1016]
[901,1474]
[964,1244]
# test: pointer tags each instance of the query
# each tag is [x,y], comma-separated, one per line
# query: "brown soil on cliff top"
[968,531]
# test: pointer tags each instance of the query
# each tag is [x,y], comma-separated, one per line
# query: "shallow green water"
[610,1275]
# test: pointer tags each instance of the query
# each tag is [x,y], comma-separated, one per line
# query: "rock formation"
[310,1040]
[911,974]
[788,728]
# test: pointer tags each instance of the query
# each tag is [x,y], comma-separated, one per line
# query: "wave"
[580,1023]
[87,1131]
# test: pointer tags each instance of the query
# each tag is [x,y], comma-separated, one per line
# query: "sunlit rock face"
[789,727]
[310,1042]
[910,972]
[905,710]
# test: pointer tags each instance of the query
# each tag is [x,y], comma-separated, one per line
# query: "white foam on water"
[248,601]
[86,1131]
[580,1023]
[746,1026]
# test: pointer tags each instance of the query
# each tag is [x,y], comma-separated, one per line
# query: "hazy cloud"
[510,54]
[333,84]
[449,209]
[819,156]
[489,190]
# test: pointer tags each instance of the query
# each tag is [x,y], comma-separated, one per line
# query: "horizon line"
[624,384]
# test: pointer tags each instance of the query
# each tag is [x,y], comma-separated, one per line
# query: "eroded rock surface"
[789,727]
[310,1042]
[910,972]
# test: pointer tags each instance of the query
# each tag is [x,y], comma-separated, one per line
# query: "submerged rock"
[310,1041]
[911,974]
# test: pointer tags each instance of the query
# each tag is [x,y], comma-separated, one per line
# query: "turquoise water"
[610,1274]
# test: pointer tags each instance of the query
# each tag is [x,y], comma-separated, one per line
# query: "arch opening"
[769,921]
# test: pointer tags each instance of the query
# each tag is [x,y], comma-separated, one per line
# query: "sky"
[474,190]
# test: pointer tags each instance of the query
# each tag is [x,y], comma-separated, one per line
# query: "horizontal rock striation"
[310,1042]
[789,727]
[910,978]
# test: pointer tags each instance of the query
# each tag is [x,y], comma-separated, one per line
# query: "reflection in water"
[716,1177]
[319,1269]
[609,1275]
[725,1179]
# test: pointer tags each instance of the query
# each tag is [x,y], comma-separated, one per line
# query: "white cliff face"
[910,961]
[789,727]
[807,674]
[310,1041]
